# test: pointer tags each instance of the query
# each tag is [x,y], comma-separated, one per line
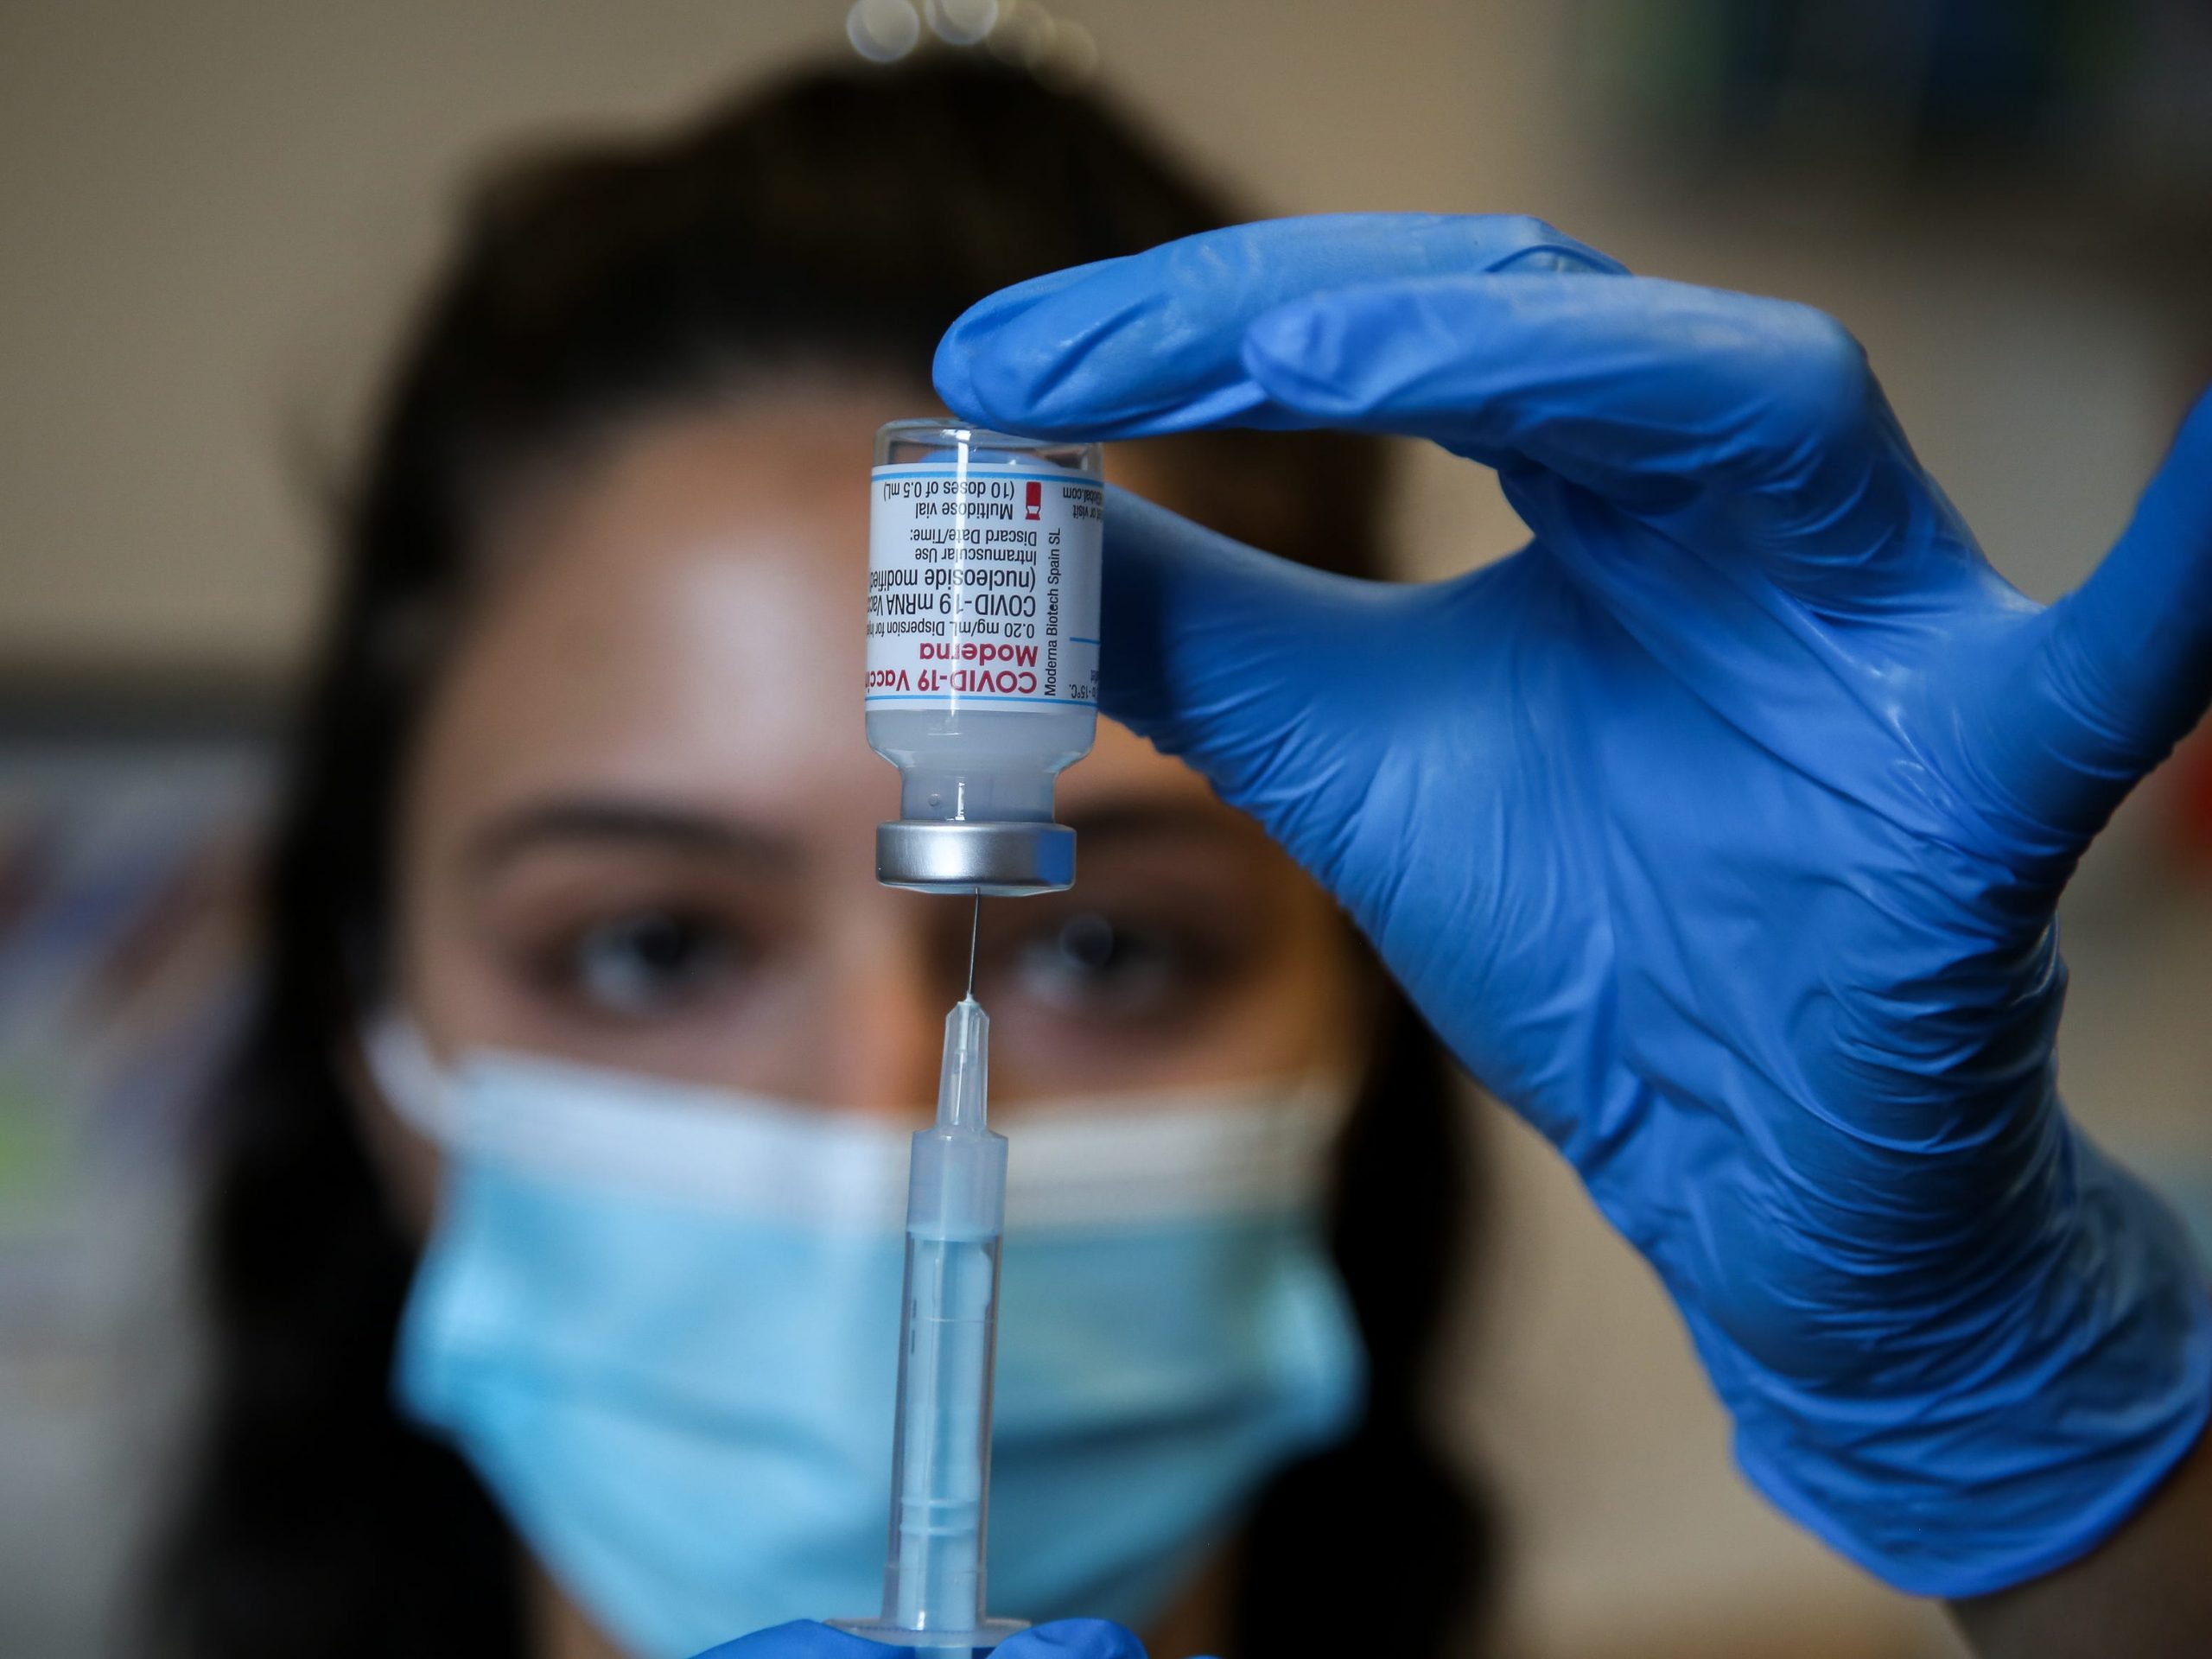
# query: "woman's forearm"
[2145,1593]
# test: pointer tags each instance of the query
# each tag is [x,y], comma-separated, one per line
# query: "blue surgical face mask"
[661,1323]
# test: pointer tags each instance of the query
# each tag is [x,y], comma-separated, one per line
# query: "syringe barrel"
[933,1578]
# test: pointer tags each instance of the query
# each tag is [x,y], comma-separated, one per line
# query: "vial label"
[982,587]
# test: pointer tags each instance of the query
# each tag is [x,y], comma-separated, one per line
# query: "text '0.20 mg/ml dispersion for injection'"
[982,649]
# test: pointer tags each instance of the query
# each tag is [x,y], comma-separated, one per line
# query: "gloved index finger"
[1152,343]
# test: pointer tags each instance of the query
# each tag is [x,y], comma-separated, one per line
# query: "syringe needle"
[975,931]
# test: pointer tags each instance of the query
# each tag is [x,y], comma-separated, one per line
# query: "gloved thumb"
[1072,1638]
[802,1638]
[2121,668]
[1271,678]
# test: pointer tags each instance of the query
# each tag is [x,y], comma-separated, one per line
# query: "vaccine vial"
[982,649]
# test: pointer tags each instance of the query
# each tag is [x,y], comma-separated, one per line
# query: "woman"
[580,818]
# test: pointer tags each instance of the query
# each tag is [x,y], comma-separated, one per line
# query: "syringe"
[941,1452]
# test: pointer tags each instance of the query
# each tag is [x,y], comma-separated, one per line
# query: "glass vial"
[982,649]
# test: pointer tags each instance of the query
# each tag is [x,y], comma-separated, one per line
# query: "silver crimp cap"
[1000,860]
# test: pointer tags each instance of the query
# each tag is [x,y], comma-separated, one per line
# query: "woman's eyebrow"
[628,822]
[1141,817]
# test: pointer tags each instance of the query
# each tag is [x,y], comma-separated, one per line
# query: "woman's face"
[639,827]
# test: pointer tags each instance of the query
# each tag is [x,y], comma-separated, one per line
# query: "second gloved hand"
[1720,831]
[1067,1638]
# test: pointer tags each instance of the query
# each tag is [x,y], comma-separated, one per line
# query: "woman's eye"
[1089,962]
[651,960]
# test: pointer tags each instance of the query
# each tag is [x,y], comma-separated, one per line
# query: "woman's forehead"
[698,482]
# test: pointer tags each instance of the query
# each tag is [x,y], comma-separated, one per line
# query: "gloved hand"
[1069,1639]
[1718,830]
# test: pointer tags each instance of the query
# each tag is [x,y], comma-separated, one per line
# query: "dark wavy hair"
[838,221]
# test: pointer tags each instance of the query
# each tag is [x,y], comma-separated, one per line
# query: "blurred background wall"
[213,215]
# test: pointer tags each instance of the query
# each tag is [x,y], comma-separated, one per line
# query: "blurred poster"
[127,832]
[2102,95]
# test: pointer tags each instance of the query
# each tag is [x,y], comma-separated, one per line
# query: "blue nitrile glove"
[1718,830]
[1067,1639]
